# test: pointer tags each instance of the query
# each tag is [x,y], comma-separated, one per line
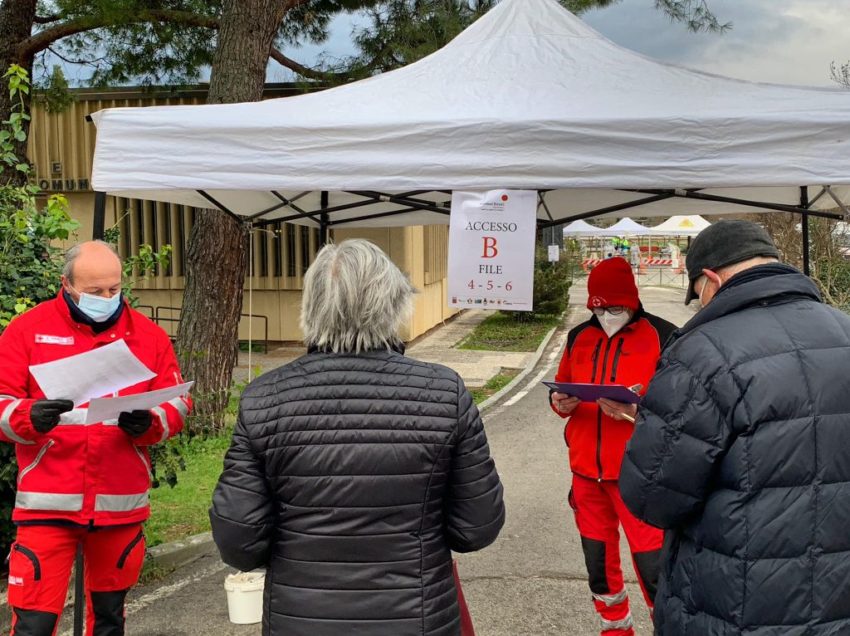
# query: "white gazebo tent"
[679,225]
[527,97]
[628,227]
[582,229]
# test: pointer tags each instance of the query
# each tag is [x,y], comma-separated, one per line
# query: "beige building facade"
[62,148]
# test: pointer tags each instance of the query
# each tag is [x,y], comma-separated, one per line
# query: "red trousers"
[599,513]
[40,567]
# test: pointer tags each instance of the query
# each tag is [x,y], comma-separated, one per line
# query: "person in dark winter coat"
[742,450]
[355,471]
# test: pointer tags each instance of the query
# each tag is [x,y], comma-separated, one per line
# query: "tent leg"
[804,203]
[323,220]
[99,223]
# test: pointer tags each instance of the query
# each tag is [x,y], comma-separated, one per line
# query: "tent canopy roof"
[628,227]
[527,97]
[681,226]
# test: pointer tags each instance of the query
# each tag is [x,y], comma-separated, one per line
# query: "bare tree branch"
[43,39]
[304,71]
[47,19]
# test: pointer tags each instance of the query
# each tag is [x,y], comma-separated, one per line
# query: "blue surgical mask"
[97,308]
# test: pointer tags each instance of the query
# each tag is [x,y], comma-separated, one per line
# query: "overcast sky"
[785,41]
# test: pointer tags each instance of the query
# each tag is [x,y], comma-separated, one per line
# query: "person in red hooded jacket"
[620,344]
[80,484]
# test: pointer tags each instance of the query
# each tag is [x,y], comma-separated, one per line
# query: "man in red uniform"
[77,483]
[620,344]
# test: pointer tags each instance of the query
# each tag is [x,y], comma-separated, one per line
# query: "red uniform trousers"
[40,567]
[599,512]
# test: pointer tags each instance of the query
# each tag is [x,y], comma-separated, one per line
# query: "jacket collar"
[71,314]
[761,285]
[399,347]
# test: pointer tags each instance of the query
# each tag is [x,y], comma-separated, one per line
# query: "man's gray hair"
[73,253]
[354,299]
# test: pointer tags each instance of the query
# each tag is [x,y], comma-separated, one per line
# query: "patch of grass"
[494,385]
[501,332]
[151,572]
[182,511]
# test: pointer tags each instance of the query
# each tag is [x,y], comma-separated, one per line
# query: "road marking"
[551,359]
[166,590]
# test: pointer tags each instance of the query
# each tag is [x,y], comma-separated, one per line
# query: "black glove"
[44,414]
[135,423]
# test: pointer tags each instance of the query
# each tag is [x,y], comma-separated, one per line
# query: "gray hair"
[354,299]
[74,252]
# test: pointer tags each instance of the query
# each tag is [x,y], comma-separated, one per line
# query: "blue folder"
[593,392]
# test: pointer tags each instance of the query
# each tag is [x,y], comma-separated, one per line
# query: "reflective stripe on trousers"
[623,623]
[612,599]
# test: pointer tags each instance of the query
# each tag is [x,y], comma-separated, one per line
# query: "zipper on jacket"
[599,411]
[595,360]
[35,462]
[616,359]
[144,461]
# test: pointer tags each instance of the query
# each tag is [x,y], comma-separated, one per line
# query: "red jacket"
[85,474]
[597,442]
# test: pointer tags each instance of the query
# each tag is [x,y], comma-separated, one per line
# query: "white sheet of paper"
[92,374]
[101,409]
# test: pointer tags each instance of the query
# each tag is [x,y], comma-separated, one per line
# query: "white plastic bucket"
[245,596]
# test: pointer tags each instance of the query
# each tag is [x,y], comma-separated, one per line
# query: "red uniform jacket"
[84,474]
[597,442]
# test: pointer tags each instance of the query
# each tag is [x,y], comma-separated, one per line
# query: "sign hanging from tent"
[491,249]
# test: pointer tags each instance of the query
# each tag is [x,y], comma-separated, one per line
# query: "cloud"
[784,41]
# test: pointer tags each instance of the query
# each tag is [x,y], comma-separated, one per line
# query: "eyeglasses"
[614,311]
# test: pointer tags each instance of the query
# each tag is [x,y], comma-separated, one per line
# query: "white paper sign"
[554,253]
[92,374]
[491,249]
[101,409]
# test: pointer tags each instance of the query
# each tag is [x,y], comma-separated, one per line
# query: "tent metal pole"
[611,208]
[323,223]
[690,194]
[804,203]
[368,217]
[419,204]
[99,226]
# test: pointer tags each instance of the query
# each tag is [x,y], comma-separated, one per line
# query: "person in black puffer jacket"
[742,450]
[355,471]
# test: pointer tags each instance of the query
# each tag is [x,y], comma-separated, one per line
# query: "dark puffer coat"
[351,478]
[742,450]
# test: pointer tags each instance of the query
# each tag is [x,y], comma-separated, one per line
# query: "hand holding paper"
[101,409]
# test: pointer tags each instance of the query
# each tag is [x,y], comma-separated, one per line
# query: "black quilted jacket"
[351,478]
[742,450]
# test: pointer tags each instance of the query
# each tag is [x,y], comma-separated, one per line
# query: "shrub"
[551,287]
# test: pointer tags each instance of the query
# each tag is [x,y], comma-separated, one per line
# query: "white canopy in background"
[581,229]
[681,226]
[628,227]
[527,97]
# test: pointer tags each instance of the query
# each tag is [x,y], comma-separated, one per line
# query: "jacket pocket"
[35,462]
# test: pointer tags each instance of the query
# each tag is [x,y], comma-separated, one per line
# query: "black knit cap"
[725,243]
